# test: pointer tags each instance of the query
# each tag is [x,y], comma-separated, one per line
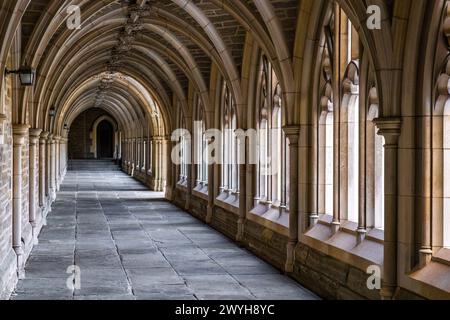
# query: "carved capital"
[3,118]
[292,133]
[20,131]
[44,137]
[35,134]
[390,129]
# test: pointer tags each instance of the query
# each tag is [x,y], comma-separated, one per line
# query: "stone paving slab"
[130,244]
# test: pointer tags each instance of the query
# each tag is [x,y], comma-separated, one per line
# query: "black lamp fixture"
[27,75]
[66,127]
[52,112]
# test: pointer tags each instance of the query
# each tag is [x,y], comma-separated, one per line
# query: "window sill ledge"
[271,218]
[350,227]
[228,201]
[442,256]
[182,185]
[343,245]
[201,191]
[433,280]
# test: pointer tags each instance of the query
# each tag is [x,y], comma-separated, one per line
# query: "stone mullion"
[160,164]
[48,171]
[137,154]
[19,134]
[154,156]
[144,156]
[133,155]
[127,155]
[210,168]
[34,141]
[389,128]
[53,177]
[42,169]
[292,133]
[164,163]
[190,167]
[337,55]
[172,177]
[57,162]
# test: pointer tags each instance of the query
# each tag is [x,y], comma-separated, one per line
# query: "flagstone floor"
[128,243]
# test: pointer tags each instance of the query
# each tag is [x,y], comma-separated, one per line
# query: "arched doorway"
[105,140]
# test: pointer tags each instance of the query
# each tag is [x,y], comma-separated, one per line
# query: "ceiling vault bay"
[134,58]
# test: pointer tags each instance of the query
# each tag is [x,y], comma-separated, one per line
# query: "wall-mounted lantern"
[27,75]
[66,127]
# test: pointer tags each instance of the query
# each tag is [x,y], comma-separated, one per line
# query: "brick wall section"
[80,140]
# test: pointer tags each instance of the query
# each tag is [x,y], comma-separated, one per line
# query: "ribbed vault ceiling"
[133,58]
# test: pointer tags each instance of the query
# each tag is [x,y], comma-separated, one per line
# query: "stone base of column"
[289,266]
[34,233]
[425,256]
[388,292]
[20,263]
[240,230]
[44,213]
[170,193]
[360,235]
[313,219]
[52,195]
[335,226]
[187,205]
[209,214]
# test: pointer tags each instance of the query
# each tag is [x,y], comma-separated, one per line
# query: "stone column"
[19,133]
[171,176]
[34,140]
[42,171]
[133,155]
[164,163]
[148,158]
[48,171]
[64,157]
[144,156]
[138,155]
[57,162]
[211,198]
[125,155]
[292,134]
[242,194]
[337,98]
[389,128]
[156,164]
[52,188]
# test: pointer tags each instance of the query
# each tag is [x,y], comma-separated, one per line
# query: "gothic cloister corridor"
[131,244]
[224,150]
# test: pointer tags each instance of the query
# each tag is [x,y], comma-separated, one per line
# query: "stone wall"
[7,255]
[324,275]
[80,140]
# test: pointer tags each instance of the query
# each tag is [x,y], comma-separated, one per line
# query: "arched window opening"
[200,145]
[230,152]
[446,152]
[350,153]
[350,138]
[375,164]
[441,158]
[272,185]
[184,154]
[326,139]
